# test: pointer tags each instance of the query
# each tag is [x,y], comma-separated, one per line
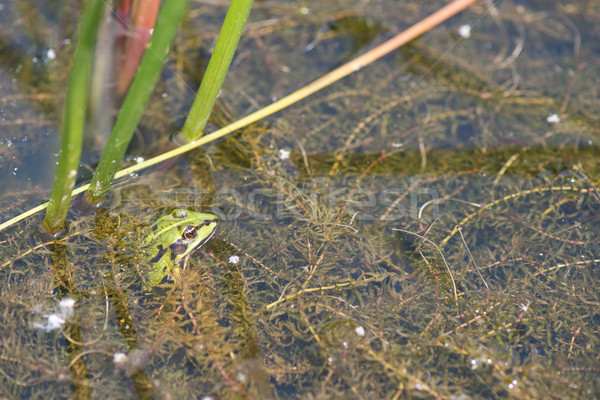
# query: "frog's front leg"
[162,270]
[156,274]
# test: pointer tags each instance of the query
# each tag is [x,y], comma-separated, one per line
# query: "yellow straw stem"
[385,48]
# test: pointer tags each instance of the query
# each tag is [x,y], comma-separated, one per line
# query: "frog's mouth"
[208,222]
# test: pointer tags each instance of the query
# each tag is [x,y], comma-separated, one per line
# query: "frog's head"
[178,233]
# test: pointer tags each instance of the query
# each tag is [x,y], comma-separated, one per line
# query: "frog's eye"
[190,232]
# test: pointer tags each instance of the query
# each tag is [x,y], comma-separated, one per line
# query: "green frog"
[171,239]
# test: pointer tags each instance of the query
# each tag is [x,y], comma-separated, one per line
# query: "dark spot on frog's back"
[158,256]
[177,248]
[154,227]
[179,214]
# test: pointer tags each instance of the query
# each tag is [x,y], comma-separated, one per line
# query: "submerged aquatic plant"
[391,238]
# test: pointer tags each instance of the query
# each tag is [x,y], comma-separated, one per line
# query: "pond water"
[426,227]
